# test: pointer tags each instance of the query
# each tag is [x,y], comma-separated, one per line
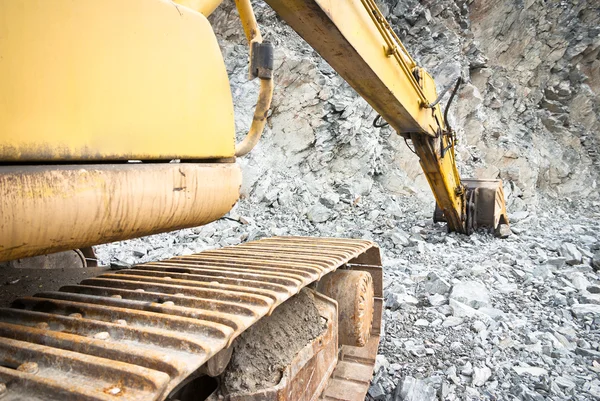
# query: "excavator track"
[137,334]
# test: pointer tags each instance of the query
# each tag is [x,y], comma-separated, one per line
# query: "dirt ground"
[263,351]
[18,282]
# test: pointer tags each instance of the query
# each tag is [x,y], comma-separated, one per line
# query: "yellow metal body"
[111,80]
[205,7]
[47,209]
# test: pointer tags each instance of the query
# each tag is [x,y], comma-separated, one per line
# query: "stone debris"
[437,300]
[433,284]
[586,309]
[471,293]
[530,370]
[570,253]
[413,389]
[481,375]
[319,214]
[596,261]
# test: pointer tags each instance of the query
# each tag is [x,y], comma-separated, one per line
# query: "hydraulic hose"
[261,66]
[259,120]
[249,24]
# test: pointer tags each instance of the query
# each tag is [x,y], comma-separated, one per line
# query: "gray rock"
[481,375]
[530,370]
[503,231]
[411,389]
[471,293]
[467,370]
[596,261]
[559,300]
[415,349]
[437,300]
[518,216]
[329,200]
[478,326]
[581,310]
[587,352]
[451,375]
[542,271]
[319,214]
[579,281]
[381,362]
[557,262]
[452,321]
[570,253]
[589,298]
[522,392]
[395,301]
[565,383]
[434,284]
[400,239]
[377,392]
[118,265]
[462,310]
[445,310]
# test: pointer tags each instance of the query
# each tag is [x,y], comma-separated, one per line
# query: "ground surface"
[261,353]
[476,317]
[466,318]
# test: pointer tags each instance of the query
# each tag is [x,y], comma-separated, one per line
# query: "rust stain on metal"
[156,324]
[115,390]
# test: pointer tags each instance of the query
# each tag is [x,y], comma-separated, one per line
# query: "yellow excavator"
[116,121]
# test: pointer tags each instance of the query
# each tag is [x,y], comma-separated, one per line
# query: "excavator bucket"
[485,206]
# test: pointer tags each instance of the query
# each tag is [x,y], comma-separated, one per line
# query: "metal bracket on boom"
[261,63]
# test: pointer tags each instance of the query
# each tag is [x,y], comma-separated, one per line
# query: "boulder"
[411,389]
[570,253]
[471,293]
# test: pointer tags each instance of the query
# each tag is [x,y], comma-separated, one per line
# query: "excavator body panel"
[111,80]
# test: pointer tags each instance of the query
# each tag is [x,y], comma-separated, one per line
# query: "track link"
[137,334]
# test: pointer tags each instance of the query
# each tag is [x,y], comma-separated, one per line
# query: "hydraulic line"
[261,66]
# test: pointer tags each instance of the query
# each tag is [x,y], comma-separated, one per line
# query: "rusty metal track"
[137,334]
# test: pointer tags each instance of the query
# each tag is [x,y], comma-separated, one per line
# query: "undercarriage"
[167,330]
